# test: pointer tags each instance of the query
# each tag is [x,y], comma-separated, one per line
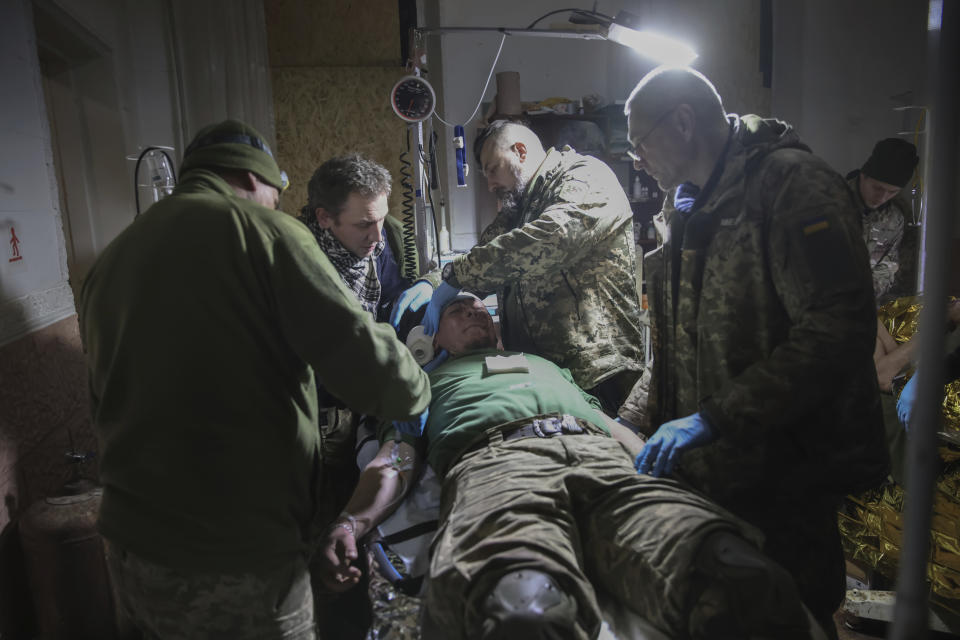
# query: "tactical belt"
[541,427]
[548,427]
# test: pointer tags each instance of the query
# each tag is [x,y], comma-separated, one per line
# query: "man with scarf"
[763,393]
[347,213]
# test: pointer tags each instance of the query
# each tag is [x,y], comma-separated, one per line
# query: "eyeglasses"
[632,151]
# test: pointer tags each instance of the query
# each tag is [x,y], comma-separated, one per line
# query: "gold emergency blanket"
[901,318]
[871,525]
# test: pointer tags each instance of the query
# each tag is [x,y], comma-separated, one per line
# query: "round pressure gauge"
[413,99]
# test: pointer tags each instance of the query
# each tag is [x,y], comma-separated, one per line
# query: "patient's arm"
[889,357]
[624,435]
[892,357]
[382,485]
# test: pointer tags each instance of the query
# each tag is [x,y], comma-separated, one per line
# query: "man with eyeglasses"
[561,257]
[206,324]
[763,392]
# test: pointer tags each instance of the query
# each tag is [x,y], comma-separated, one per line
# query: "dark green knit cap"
[232,144]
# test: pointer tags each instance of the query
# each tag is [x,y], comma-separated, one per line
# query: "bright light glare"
[664,50]
[935,15]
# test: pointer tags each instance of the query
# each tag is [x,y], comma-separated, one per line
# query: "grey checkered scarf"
[359,274]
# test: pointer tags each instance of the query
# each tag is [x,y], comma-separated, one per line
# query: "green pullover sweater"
[204,324]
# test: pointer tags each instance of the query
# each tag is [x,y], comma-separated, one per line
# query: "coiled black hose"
[408,217]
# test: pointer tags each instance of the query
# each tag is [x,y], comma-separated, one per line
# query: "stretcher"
[399,554]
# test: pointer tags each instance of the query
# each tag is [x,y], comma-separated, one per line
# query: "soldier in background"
[876,187]
[561,257]
[763,391]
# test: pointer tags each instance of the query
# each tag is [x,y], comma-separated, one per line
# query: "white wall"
[105,108]
[725,34]
[33,291]
[837,68]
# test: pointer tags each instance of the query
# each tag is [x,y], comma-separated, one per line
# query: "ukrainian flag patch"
[815,225]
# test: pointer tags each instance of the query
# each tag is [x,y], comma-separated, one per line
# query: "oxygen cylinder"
[65,565]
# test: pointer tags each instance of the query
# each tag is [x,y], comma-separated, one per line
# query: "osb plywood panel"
[333,33]
[43,405]
[325,112]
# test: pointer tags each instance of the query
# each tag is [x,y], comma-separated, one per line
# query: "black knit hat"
[232,144]
[892,161]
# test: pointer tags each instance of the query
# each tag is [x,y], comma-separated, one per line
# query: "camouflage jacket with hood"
[564,270]
[763,320]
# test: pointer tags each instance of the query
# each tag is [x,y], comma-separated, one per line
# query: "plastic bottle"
[444,234]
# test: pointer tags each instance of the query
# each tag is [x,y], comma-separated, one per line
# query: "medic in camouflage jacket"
[883,233]
[763,321]
[564,270]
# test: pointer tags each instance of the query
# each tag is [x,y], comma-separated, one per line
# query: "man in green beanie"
[876,187]
[206,323]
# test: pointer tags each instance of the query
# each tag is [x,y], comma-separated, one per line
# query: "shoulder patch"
[814,225]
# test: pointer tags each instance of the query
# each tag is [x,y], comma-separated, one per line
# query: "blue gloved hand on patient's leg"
[665,447]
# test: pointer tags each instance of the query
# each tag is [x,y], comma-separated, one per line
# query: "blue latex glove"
[673,438]
[905,403]
[441,296]
[438,360]
[413,298]
[412,427]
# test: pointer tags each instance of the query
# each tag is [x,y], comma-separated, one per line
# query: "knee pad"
[528,604]
[745,594]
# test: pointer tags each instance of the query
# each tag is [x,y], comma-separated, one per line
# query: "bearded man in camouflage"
[763,391]
[560,255]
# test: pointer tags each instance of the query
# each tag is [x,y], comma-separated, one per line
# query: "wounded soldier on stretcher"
[541,507]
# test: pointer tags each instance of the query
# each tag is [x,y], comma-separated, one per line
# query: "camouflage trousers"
[574,507]
[170,604]
[805,540]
